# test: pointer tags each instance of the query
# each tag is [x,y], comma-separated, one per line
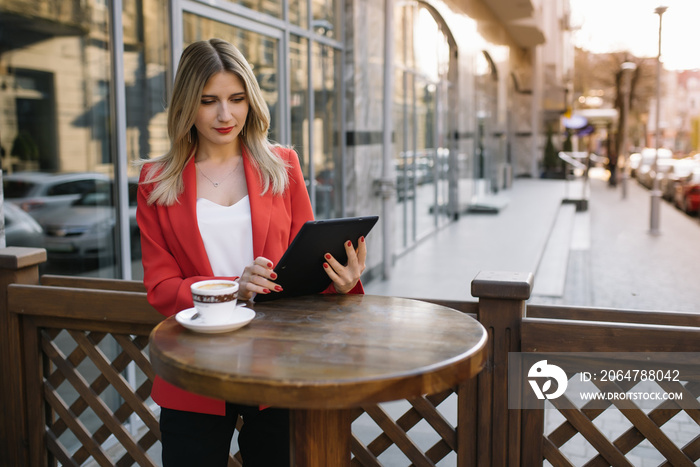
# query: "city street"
[622,265]
[605,256]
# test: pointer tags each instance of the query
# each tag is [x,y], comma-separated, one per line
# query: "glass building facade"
[84,90]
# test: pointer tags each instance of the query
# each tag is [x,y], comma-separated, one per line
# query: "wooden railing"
[75,379]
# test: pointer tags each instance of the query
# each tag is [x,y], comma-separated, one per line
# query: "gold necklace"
[216,184]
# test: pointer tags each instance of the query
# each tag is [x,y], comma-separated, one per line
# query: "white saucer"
[241,317]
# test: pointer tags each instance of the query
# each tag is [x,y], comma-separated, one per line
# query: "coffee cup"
[215,299]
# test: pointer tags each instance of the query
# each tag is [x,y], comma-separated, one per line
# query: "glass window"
[299,98]
[325,20]
[71,188]
[55,80]
[298,13]
[420,123]
[56,137]
[326,144]
[269,7]
[146,63]
[485,100]
[17,188]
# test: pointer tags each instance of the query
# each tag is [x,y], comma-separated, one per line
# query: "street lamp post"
[656,192]
[627,70]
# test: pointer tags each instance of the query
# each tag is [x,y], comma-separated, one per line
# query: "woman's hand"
[345,277]
[257,278]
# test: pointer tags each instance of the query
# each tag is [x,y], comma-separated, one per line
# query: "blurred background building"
[472,87]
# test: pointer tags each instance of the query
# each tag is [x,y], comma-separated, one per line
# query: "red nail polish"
[362,239]
[349,243]
[273,275]
[325,265]
[278,288]
[266,290]
[327,256]
[269,265]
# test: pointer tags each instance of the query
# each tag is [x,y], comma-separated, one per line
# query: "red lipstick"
[224,130]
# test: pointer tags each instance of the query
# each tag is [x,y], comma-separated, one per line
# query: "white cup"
[215,300]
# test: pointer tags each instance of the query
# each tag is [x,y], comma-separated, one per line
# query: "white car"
[40,193]
[87,228]
[21,229]
[641,161]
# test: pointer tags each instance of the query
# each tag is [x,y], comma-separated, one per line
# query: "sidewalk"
[443,265]
[628,267]
[602,257]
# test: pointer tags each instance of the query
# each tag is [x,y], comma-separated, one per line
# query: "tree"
[551,161]
[600,75]
[642,88]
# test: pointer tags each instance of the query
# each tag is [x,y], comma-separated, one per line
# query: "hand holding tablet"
[346,275]
[301,270]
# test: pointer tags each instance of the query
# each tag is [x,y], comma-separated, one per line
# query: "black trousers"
[192,439]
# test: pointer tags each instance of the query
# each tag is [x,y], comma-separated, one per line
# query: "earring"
[189,136]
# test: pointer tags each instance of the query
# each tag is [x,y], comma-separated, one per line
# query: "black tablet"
[300,271]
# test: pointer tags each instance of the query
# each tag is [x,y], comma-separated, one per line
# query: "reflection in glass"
[486,99]
[299,99]
[404,157]
[298,13]
[259,50]
[55,86]
[268,7]
[421,151]
[56,140]
[326,149]
[424,156]
[325,21]
[85,229]
[146,58]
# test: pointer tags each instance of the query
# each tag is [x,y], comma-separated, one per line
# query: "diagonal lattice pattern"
[396,433]
[96,415]
[96,398]
[95,386]
[644,429]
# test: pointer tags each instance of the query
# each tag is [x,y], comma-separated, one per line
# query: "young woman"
[224,202]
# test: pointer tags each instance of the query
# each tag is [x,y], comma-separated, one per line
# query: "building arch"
[425,116]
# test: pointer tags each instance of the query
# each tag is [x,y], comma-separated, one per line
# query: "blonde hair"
[199,62]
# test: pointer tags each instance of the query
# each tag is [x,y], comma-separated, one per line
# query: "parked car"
[40,193]
[87,228]
[423,168]
[642,160]
[647,174]
[681,169]
[687,197]
[21,229]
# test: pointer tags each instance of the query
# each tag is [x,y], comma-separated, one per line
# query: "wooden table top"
[325,351]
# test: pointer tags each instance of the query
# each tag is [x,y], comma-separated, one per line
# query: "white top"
[227,232]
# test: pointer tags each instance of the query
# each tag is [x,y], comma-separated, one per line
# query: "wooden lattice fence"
[76,381]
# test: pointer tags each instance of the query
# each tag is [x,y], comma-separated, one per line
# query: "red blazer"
[174,256]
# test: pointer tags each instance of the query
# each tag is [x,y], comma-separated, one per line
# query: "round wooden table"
[322,355]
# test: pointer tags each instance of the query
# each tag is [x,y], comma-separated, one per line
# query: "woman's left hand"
[345,277]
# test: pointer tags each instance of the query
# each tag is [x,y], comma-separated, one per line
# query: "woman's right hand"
[258,278]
